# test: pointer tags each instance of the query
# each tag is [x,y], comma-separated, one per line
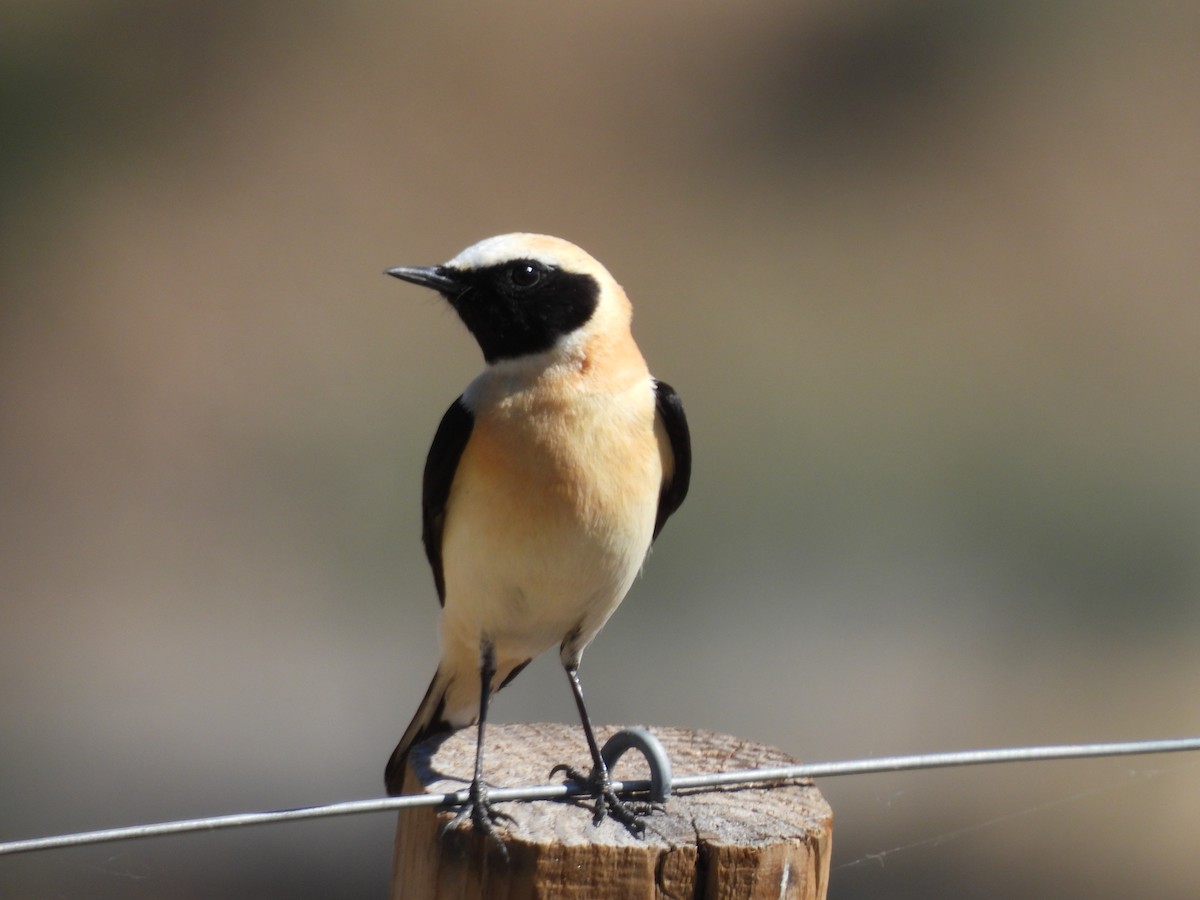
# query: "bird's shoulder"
[441,464]
[675,445]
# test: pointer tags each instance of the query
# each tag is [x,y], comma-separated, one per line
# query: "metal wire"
[557,791]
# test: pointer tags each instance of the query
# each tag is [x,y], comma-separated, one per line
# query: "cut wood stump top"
[734,841]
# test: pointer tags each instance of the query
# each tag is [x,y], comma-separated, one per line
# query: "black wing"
[440,466]
[670,412]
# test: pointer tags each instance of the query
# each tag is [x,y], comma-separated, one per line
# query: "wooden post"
[734,842]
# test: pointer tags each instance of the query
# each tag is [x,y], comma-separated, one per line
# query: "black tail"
[429,721]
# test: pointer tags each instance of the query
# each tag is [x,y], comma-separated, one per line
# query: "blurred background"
[924,273]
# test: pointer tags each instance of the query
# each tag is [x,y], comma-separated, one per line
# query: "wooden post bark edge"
[735,842]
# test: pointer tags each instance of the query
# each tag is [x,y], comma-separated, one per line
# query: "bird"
[546,483]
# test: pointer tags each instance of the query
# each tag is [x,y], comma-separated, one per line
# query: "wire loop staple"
[651,748]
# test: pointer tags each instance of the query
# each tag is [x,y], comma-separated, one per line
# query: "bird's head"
[524,295]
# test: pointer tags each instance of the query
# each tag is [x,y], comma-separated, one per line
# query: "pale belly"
[540,546]
[525,585]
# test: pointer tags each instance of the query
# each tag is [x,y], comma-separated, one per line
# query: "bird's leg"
[628,813]
[478,808]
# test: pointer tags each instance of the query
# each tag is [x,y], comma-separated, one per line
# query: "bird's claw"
[630,813]
[482,815]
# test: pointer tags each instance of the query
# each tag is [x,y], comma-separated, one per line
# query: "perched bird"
[546,483]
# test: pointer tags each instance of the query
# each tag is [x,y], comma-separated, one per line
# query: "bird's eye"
[525,274]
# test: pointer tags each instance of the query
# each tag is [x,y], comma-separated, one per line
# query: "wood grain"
[736,842]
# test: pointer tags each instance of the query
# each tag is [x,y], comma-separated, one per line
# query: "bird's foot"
[482,815]
[630,813]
